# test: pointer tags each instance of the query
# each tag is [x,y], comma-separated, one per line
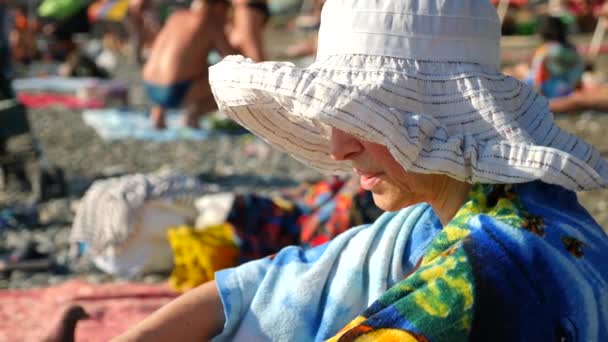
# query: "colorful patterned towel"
[308,216]
[521,262]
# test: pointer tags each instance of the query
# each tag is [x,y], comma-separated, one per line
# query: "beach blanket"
[130,123]
[27,315]
[44,100]
[59,84]
[117,124]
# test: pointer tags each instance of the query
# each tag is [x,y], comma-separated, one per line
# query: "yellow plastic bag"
[199,253]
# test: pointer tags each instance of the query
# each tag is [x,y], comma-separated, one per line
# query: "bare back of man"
[176,71]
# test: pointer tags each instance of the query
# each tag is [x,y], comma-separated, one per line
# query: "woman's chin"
[388,203]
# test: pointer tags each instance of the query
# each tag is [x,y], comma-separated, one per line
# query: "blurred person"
[602,11]
[585,12]
[311,20]
[246,31]
[589,95]
[79,64]
[175,73]
[62,20]
[556,68]
[143,24]
[307,47]
[22,36]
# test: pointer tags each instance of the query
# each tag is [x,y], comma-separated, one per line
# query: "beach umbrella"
[108,10]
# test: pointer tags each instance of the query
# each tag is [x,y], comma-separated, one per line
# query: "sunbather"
[175,74]
[556,68]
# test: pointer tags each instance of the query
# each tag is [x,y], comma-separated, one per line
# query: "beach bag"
[147,249]
[124,220]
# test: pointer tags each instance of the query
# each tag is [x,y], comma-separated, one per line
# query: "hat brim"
[493,129]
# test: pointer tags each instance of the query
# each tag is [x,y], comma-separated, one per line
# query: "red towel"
[27,315]
[43,100]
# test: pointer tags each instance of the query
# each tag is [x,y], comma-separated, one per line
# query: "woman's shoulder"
[518,262]
[536,219]
[551,248]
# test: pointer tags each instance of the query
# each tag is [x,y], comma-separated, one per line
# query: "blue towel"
[63,84]
[116,124]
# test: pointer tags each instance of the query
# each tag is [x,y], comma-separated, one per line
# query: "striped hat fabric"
[423,79]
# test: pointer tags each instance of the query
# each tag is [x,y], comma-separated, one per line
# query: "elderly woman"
[483,238]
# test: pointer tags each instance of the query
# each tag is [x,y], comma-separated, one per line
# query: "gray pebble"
[17,276]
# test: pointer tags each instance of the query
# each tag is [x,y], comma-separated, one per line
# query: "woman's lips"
[368,180]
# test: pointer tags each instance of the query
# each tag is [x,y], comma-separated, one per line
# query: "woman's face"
[392,186]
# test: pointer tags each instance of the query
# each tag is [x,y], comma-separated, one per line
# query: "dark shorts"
[168,96]
[261,6]
[258,5]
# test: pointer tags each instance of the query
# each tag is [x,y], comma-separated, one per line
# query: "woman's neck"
[451,196]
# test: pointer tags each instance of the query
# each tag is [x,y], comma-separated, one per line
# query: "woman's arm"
[197,315]
[592,99]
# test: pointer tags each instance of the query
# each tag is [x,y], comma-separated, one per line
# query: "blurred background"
[114,201]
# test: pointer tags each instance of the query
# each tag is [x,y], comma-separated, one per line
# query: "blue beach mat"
[116,124]
[63,84]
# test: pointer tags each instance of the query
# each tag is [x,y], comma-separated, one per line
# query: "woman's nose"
[343,146]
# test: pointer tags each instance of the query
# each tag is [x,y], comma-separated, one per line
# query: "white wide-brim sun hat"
[421,78]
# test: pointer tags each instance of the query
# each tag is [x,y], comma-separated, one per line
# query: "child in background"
[557,67]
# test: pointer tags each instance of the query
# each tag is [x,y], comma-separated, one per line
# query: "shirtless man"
[176,72]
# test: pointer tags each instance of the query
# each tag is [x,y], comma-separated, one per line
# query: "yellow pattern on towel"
[199,253]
